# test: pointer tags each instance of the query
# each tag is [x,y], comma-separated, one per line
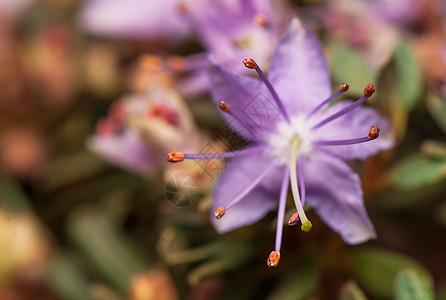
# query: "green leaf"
[418,171]
[351,291]
[106,247]
[12,195]
[231,259]
[348,67]
[67,279]
[411,285]
[408,80]
[376,269]
[299,282]
[69,169]
[437,108]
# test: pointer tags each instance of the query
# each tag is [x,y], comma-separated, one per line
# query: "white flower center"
[281,140]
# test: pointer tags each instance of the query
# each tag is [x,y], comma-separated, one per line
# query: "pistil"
[306,224]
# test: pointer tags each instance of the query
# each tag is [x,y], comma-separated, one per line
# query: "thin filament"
[340,113]
[273,92]
[230,154]
[343,142]
[281,209]
[325,102]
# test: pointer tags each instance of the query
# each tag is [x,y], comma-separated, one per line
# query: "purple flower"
[230,30]
[133,19]
[304,144]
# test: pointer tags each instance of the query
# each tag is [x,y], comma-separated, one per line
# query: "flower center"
[286,134]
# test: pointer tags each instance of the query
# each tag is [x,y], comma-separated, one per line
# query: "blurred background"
[94,93]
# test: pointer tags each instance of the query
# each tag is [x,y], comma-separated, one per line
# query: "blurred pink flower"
[141,128]
[138,19]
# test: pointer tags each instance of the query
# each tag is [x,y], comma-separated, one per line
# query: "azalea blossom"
[229,30]
[304,144]
[133,19]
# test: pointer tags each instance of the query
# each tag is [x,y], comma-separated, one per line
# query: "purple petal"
[262,199]
[133,19]
[249,100]
[299,71]
[398,12]
[334,191]
[355,124]
[126,151]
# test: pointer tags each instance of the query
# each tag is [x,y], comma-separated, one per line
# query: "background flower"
[74,225]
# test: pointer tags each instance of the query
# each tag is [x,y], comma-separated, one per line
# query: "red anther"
[182,7]
[374,132]
[369,90]
[105,127]
[117,113]
[249,63]
[175,156]
[344,87]
[151,62]
[273,259]
[224,106]
[293,220]
[219,212]
[261,19]
[178,63]
[164,112]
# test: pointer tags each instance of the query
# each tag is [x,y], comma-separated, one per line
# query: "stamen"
[294,219]
[342,89]
[261,19]
[373,134]
[252,185]
[229,154]
[178,63]
[175,157]
[306,224]
[219,212]
[151,62]
[368,92]
[281,209]
[273,259]
[182,7]
[224,106]
[251,64]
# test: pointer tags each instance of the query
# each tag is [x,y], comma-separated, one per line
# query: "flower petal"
[299,71]
[133,19]
[249,100]
[126,151]
[255,205]
[355,124]
[335,193]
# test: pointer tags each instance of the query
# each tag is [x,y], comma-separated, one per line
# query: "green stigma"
[306,226]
